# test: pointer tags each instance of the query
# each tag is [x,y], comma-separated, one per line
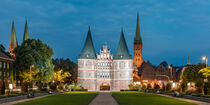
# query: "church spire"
[122,50]
[26,33]
[138,38]
[88,51]
[13,40]
[188,61]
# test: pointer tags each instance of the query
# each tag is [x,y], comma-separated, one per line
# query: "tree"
[168,87]
[27,76]
[192,74]
[34,52]
[59,75]
[67,66]
[46,70]
[205,72]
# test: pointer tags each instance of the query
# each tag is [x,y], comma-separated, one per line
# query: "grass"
[70,98]
[139,98]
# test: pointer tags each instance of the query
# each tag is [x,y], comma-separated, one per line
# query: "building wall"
[6,72]
[122,74]
[92,73]
[86,73]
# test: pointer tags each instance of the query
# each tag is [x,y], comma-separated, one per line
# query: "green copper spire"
[88,51]
[13,38]
[26,34]
[122,50]
[188,61]
[137,38]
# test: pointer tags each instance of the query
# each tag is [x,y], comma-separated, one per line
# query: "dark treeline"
[67,66]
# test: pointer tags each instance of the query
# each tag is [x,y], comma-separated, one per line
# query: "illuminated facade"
[105,71]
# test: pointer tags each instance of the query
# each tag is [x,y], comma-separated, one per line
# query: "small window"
[7,65]
[4,65]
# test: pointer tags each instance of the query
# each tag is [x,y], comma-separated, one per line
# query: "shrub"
[80,89]
[53,86]
[157,87]
[60,86]
[24,87]
[183,87]
[190,92]
[40,86]
[144,87]
[168,87]
[207,88]
[163,87]
[134,87]
[149,86]
[199,88]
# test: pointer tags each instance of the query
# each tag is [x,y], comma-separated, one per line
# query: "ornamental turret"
[122,49]
[88,51]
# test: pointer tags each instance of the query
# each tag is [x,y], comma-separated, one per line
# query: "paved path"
[104,98]
[187,100]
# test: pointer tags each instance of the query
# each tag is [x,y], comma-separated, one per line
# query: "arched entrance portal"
[104,87]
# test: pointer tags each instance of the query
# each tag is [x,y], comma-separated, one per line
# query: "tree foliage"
[205,72]
[67,66]
[59,75]
[34,52]
[191,73]
[27,76]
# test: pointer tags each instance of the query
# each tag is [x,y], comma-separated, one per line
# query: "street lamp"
[31,76]
[205,58]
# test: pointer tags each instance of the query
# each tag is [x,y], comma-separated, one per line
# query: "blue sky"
[171,30]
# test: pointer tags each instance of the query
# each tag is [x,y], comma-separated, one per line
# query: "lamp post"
[31,76]
[206,59]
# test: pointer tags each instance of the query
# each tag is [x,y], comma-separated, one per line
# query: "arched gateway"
[104,87]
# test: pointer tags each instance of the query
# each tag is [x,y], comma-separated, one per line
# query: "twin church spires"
[13,38]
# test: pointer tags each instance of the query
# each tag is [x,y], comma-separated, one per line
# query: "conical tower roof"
[138,38]
[13,38]
[88,51]
[122,50]
[26,33]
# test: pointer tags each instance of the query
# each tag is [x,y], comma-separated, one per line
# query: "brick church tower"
[13,41]
[137,59]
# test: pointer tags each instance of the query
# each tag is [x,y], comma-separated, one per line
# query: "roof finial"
[121,28]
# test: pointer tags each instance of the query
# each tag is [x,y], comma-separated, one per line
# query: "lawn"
[70,98]
[139,98]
